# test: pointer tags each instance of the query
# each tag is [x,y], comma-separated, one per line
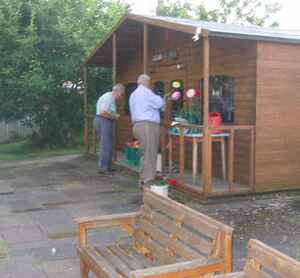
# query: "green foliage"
[43,44]
[229,11]
[176,8]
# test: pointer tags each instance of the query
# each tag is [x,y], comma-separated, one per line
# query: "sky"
[288,17]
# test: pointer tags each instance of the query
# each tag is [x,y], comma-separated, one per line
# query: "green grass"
[22,150]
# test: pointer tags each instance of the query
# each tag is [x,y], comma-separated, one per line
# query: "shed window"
[159,88]
[221,96]
[129,88]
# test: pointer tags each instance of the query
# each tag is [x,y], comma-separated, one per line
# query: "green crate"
[132,156]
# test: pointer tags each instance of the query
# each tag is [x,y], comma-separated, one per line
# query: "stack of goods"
[132,153]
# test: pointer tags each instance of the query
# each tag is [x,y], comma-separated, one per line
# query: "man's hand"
[115,116]
[111,116]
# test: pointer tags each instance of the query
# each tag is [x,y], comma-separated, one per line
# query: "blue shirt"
[145,105]
[106,103]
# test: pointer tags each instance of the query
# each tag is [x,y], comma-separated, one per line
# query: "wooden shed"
[253,72]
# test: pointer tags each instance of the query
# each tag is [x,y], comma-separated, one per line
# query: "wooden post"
[145,60]
[231,161]
[251,159]
[85,110]
[207,145]
[114,81]
[181,156]
[114,59]
[94,149]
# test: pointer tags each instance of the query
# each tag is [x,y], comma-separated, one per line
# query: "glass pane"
[221,96]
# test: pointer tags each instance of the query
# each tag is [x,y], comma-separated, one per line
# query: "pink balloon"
[190,93]
[176,95]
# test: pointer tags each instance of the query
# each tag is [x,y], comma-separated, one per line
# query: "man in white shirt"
[145,108]
[106,115]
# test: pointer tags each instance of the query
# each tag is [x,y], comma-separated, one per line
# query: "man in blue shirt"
[145,108]
[106,115]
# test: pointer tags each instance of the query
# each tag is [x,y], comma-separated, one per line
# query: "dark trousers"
[105,128]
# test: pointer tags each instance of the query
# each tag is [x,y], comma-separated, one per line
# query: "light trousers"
[148,134]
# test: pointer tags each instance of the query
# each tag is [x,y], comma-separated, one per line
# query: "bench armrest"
[125,220]
[231,275]
[180,270]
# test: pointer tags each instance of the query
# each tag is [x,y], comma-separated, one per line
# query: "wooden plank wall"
[228,57]
[278,114]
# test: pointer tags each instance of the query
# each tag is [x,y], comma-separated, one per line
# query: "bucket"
[215,120]
[160,189]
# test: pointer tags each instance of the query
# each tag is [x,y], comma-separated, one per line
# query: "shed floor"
[219,185]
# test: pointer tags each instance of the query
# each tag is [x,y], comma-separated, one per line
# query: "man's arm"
[104,111]
[156,101]
[108,115]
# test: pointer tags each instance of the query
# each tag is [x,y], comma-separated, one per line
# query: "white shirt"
[106,103]
[145,105]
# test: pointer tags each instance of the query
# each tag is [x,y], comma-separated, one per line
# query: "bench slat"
[274,260]
[255,273]
[157,251]
[131,261]
[166,241]
[115,261]
[99,264]
[232,275]
[181,214]
[132,253]
[187,236]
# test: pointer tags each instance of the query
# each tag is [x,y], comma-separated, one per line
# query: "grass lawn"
[21,150]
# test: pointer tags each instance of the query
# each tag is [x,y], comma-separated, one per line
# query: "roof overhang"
[190,27]
[107,40]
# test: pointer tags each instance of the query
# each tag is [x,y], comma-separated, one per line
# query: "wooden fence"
[13,129]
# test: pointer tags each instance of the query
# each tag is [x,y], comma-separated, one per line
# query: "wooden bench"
[266,262]
[168,240]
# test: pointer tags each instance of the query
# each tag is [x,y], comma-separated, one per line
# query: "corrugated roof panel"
[239,31]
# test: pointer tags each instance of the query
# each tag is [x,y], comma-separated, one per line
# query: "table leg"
[181,155]
[170,154]
[223,157]
[195,159]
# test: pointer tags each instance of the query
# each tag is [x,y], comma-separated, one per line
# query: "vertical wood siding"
[278,115]
[232,57]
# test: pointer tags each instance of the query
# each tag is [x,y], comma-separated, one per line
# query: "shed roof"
[215,29]
[236,31]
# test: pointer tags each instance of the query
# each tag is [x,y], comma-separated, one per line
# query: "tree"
[242,12]
[43,44]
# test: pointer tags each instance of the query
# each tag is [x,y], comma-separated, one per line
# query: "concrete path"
[38,201]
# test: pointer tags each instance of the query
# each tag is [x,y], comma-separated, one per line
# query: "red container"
[215,120]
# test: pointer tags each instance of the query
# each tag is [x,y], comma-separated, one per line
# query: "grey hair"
[119,88]
[143,77]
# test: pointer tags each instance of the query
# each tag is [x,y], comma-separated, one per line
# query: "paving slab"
[16,267]
[68,268]
[15,220]
[19,235]
[5,187]
[5,210]
[25,205]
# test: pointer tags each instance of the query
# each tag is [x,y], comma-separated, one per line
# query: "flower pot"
[160,189]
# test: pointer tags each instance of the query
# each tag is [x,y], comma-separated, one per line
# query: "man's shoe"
[141,184]
[104,173]
[101,172]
